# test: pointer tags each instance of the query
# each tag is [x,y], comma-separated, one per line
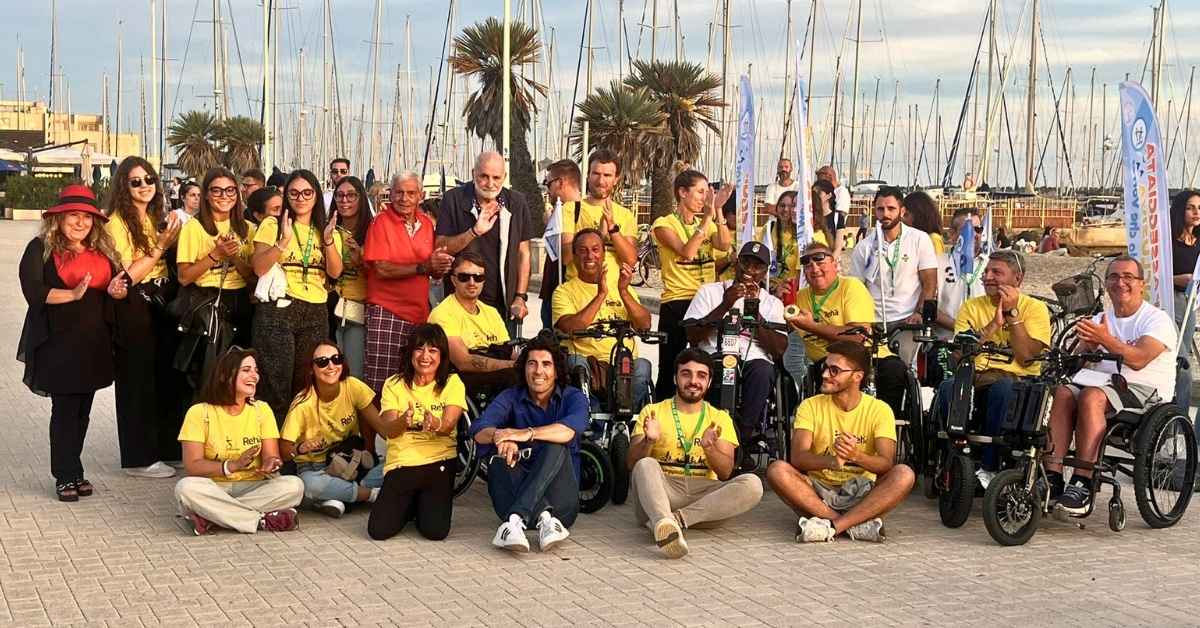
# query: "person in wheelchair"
[472,325]
[587,299]
[681,459]
[1008,319]
[760,349]
[1145,337]
[831,304]
[842,476]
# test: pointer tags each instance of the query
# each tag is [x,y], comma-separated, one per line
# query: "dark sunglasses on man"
[465,277]
[814,258]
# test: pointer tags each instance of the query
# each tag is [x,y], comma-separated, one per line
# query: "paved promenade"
[121,557]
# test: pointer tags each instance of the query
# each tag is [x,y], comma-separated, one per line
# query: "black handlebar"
[747,323]
[617,329]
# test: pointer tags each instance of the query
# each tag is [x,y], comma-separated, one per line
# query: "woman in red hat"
[69,276]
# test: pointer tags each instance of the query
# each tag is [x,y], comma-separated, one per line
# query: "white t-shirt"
[1146,321]
[709,296]
[841,198]
[775,189]
[954,290]
[895,288]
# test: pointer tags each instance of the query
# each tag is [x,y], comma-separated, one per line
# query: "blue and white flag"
[803,220]
[553,235]
[744,164]
[987,238]
[964,251]
[1144,175]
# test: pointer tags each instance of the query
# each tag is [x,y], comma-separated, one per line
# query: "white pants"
[237,505]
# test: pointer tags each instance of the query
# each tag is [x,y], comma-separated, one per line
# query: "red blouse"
[73,266]
[388,241]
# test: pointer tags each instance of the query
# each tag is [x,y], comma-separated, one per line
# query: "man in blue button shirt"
[533,431]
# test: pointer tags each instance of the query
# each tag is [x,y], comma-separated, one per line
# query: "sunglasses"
[1008,256]
[138,182]
[465,277]
[339,170]
[346,196]
[836,370]
[323,361]
[815,258]
[230,191]
[548,182]
[301,194]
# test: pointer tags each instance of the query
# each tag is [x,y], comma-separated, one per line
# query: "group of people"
[262,343]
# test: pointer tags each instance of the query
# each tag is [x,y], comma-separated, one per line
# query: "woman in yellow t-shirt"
[922,213]
[263,203]
[421,407]
[305,243]
[349,301]
[231,456]
[148,417]
[687,239]
[325,414]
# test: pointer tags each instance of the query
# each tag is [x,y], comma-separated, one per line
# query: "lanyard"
[816,306]
[306,252]
[688,232]
[895,257]
[687,444]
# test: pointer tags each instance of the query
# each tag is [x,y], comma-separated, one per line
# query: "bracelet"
[214,260]
[329,243]
[281,249]
[225,468]
[530,434]
[472,230]
[421,270]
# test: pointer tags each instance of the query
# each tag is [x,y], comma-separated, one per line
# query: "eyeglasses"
[339,171]
[346,196]
[836,370]
[1008,256]
[138,182]
[305,194]
[230,191]
[465,277]
[548,182]
[815,258]
[1126,277]
[324,360]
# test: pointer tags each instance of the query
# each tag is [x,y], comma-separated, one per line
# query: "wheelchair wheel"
[958,490]
[468,453]
[1164,466]
[618,454]
[595,477]
[1010,511]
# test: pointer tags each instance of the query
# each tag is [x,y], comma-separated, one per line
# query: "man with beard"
[783,183]
[681,460]
[900,272]
[471,326]
[842,476]
[600,212]
[562,185]
[339,169]
[494,221]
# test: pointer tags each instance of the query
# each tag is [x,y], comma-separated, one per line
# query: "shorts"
[1138,397]
[844,497]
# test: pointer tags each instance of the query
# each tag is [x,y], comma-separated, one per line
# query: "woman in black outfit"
[1185,246]
[69,278]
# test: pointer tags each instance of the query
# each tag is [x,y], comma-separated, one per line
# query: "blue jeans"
[544,482]
[642,374]
[319,486]
[374,477]
[352,338]
[997,397]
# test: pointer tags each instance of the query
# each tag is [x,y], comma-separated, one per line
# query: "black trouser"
[69,417]
[285,338]
[891,383]
[544,482]
[756,381]
[489,384]
[151,396]
[670,315]
[424,493]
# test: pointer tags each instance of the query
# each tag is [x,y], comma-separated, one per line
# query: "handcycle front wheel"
[1010,511]
[618,452]
[957,490]
[595,477]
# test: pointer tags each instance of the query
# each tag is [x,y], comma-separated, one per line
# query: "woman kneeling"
[231,453]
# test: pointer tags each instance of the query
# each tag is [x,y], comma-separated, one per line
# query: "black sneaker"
[1056,485]
[1075,499]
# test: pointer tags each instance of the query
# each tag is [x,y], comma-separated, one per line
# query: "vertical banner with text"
[744,166]
[1144,176]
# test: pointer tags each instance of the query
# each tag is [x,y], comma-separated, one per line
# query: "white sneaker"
[156,470]
[511,535]
[374,495]
[551,531]
[669,538]
[870,530]
[332,508]
[814,530]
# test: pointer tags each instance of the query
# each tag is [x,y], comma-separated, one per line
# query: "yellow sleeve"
[361,394]
[561,303]
[497,323]
[885,421]
[121,241]
[267,232]
[819,236]
[662,221]
[293,425]
[454,393]
[191,240]
[195,424]
[267,428]
[859,306]
[1037,321]
[627,222]
[805,415]
[440,316]
[393,389]
[637,423]
[728,431]
[968,317]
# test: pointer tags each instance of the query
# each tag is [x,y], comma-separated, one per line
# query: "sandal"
[83,487]
[67,492]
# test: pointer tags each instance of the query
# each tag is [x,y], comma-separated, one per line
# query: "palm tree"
[478,52]
[627,121]
[191,135]
[689,97]
[239,138]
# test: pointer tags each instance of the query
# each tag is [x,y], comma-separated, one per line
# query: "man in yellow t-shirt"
[472,326]
[616,224]
[1010,320]
[586,299]
[842,476]
[681,458]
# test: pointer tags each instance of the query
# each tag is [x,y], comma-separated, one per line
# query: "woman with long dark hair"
[421,406]
[264,202]
[69,277]
[324,415]
[147,388]
[348,302]
[231,455]
[189,196]
[1185,245]
[308,248]
[922,213]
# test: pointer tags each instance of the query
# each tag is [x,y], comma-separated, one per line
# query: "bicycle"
[647,256]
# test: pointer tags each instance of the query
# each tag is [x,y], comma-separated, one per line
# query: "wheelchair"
[1157,448]
[468,464]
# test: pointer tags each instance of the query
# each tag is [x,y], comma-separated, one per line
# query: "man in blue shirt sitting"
[533,431]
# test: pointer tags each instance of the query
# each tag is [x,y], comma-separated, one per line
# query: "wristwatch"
[1012,313]
[613,230]
[524,296]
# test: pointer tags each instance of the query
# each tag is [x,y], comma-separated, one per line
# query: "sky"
[904,43]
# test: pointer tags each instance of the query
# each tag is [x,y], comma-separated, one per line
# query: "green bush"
[27,192]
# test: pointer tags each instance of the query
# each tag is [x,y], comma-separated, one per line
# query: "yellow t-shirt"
[939,244]
[308,286]
[328,421]
[669,450]
[589,218]
[785,252]
[872,419]
[848,301]
[730,271]
[573,296]
[195,243]
[484,327]
[123,242]
[681,279]
[415,448]
[226,436]
[978,312]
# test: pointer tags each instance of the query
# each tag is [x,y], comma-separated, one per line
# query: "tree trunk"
[662,192]
[524,177]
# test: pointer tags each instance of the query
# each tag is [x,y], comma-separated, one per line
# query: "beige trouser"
[237,505]
[697,499]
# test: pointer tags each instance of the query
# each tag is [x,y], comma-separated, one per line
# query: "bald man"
[494,221]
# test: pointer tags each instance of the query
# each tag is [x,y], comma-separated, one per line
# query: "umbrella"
[97,174]
[112,169]
[85,165]
[10,167]
[370,177]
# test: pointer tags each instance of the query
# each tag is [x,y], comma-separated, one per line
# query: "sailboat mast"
[374,85]
[150,151]
[787,89]
[724,83]
[853,175]
[120,73]
[679,35]
[164,121]
[1031,114]
[987,140]
[812,48]
[268,156]
[653,32]
[300,152]
[1090,133]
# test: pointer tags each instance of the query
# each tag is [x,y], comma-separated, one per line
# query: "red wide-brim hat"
[76,198]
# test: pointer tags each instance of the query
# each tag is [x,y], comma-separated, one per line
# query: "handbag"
[352,311]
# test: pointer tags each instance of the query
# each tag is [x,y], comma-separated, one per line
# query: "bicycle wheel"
[467,462]
[1010,512]
[958,490]
[1164,467]
[595,477]
[618,454]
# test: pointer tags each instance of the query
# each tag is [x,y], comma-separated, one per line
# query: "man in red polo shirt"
[400,258]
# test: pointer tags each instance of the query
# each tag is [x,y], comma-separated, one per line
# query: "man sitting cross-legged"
[842,476]
[681,458]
